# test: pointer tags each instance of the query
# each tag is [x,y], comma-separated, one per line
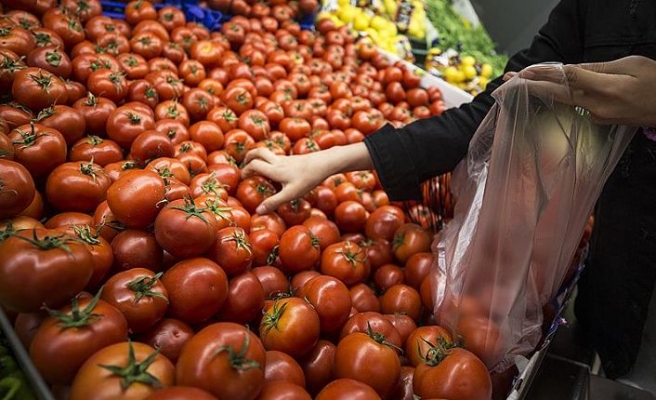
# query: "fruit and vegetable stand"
[133,263]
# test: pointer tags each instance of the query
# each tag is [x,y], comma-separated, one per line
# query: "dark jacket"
[617,284]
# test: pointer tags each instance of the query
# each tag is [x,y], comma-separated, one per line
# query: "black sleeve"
[405,157]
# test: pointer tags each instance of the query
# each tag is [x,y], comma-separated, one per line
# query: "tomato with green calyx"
[185,229]
[290,325]
[77,186]
[17,188]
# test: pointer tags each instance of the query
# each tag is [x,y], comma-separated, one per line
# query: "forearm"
[352,157]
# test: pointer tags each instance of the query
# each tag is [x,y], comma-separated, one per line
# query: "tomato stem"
[241,242]
[238,360]
[142,287]
[270,319]
[192,210]
[77,318]
[84,233]
[135,372]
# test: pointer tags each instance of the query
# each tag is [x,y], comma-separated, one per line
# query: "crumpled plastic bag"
[525,190]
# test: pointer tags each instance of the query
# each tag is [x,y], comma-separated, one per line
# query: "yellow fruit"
[467,61]
[323,15]
[482,82]
[361,22]
[347,13]
[486,70]
[450,74]
[469,71]
[378,23]
[343,2]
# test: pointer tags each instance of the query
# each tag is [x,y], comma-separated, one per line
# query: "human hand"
[621,92]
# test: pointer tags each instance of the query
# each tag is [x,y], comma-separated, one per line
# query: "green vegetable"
[457,33]
[15,388]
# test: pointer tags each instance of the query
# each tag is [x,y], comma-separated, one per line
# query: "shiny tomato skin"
[136,248]
[139,295]
[384,221]
[472,382]
[298,249]
[418,342]
[290,325]
[67,120]
[181,393]
[346,261]
[232,250]
[31,276]
[77,186]
[347,389]
[409,239]
[169,335]
[239,308]
[325,230]
[330,298]
[100,249]
[279,390]
[197,289]
[37,88]
[98,383]
[363,321]
[184,229]
[364,298]
[403,299]
[17,189]
[39,148]
[58,352]
[280,366]
[225,359]
[365,358]
[135,198]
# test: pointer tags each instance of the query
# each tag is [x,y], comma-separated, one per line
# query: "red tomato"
[290,325]
[77,186]
[226,359]
[197,289]
[185,229]
[239,308]
[100,249]
[253,190]
[137,370]
[368,358]
[401,299]
[351,216]
[40,267]
[67,338]
[345,261]
[135,198]
[38,148]
[232,250]
[96,111]
[298,249]
[275,390]
[264,244]
[436,377]
[134,248]
[126,123]
[17,189]
[325,230]
[384,221]
[139,295]
[363,298]
[169,336]
[181,393]
[481,336]
[331,300]
[280,366]
[410,239]
[387,276]
[347,389]
[37,88]
[295,212]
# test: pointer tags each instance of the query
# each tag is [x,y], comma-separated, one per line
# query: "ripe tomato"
[52,59]
[264,244]
[278,389]
[290,325]
[346,261]
[239,308]
[185,229]
[96,111]
[295,212]
[409,239]
[126,123]
[77,186]
[67,120]
[351,216]
[387,276]
[331,300]
[419,342]
[347,389]
[298,249]
[226,359]
[38,88]
[363,298]
[436,377]
[481,336]
[108,83]
[181,393]
[71,335]
[198,103]
[280,366]
[401,299]
[139,295]
[127,370]
[169,336]
[38,148]
[40,267]
[135,197]
[197,289]
[134,248]
[368,358]
[100,249]
[252,191]
[17,188]
[232,250]
[384,221]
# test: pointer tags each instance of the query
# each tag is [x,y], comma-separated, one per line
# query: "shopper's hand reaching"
[621,92]
[299,174]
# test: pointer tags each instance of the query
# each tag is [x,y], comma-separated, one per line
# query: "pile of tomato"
[132,261]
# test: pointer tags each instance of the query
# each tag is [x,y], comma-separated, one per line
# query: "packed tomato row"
[124,215]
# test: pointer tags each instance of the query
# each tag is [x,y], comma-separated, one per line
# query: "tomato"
[226,359]
[126,123]
[40,149]
[68,219]
[364,298]
[115,169]
[419,342]
[280,366]
[126,370]
[67,120]
[170,168]
[168,335]
[135,248]
[68,27]
[77,186]
[54,267]
[238,307]
[96,111]
[26,325]
[417,267]
[409,239]
[387,276]
[331,300]
[347,389]
[298,249]
[184,229]
[181,393]
[264,244]
[139,295]
[17,188]
[270,221]
[437,378]
[346,261]
[350,216]
[71,335]
[323,229]
[379,252]
[197,289]
[16,39]
[224,117]
[51,59]
[401,299]
[290,325]
[238,99]
[135,198]
[198,103]
[481,336]
[282,389]
[100,249]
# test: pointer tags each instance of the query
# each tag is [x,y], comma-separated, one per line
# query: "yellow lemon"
[450,74]
[469,71]
[486,70]
[467,60]
[361,22]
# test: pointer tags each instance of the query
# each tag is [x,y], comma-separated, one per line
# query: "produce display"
[132,262]
[13,382]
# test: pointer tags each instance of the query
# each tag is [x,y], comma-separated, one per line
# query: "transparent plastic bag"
[524,192]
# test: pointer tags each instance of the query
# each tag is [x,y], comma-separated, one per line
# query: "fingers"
[272,203]
[256,167]
[615,66]
[261,153]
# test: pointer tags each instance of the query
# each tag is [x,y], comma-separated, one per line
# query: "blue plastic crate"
[211,19]
[307,22]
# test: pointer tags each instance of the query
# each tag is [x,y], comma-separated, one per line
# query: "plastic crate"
[307,22]
[211,19]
